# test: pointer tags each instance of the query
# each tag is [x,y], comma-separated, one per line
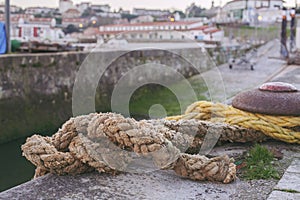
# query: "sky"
[129,4]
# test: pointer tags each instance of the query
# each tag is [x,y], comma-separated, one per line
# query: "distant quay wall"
[36,89]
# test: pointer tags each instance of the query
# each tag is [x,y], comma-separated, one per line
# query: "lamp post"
[7,25]
[293,30]
[283,49]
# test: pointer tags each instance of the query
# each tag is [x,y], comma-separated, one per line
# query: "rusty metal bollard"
[274,98]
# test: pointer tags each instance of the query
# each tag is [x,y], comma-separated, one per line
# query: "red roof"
[40,20]
[72,10]
[205,29]
[200,28]
[79,20]
[153,24]
[211,30]
[91,31]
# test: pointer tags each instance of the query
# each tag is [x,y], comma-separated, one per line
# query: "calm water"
[14,168]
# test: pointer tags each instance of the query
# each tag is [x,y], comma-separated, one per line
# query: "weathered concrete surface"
[279,195]
[291,74]
[290,182]
[47,74]
[158,185]
[241,78]
[161,184]
[154,185]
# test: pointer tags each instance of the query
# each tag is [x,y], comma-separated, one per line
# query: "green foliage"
[23,65]
[245,33]
[182,15]
[58,20]
[259,164]
[71,28]
[148,95]
[128,16]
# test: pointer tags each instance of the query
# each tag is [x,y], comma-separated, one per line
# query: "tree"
[87,12]
[71,28]
[182,15]
[128,16]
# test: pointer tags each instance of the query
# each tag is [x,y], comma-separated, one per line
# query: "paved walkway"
[164,184]
[289,185]
[241,78]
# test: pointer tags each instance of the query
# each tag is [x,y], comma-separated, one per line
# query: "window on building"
[133,36]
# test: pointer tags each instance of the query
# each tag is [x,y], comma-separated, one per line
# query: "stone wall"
[36,89]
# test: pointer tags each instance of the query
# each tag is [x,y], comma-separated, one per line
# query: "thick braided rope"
[277,127]
[106,142]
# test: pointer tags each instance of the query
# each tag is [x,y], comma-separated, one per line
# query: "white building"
[36,29]
[109,15]
[39,32]
[13,9]
[248,11]
[142,19]
[83,6]
[152,12]
[157,31]
[104,8]
[39,10]
[65,5]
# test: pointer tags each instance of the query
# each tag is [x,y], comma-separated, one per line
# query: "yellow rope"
[277,127]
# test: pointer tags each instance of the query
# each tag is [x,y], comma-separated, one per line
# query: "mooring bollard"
[275,98]
[272,109]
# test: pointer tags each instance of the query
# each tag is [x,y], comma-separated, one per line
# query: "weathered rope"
[277,127]
[108,143]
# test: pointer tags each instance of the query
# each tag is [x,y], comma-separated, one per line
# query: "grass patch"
[259,164]
[248,33]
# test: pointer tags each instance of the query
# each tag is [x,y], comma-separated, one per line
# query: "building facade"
[71,13]
[142,19]
[152,12]
[162,31]
[65,5]
[13,9]
[78,22]
[39,10]
[247,11]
